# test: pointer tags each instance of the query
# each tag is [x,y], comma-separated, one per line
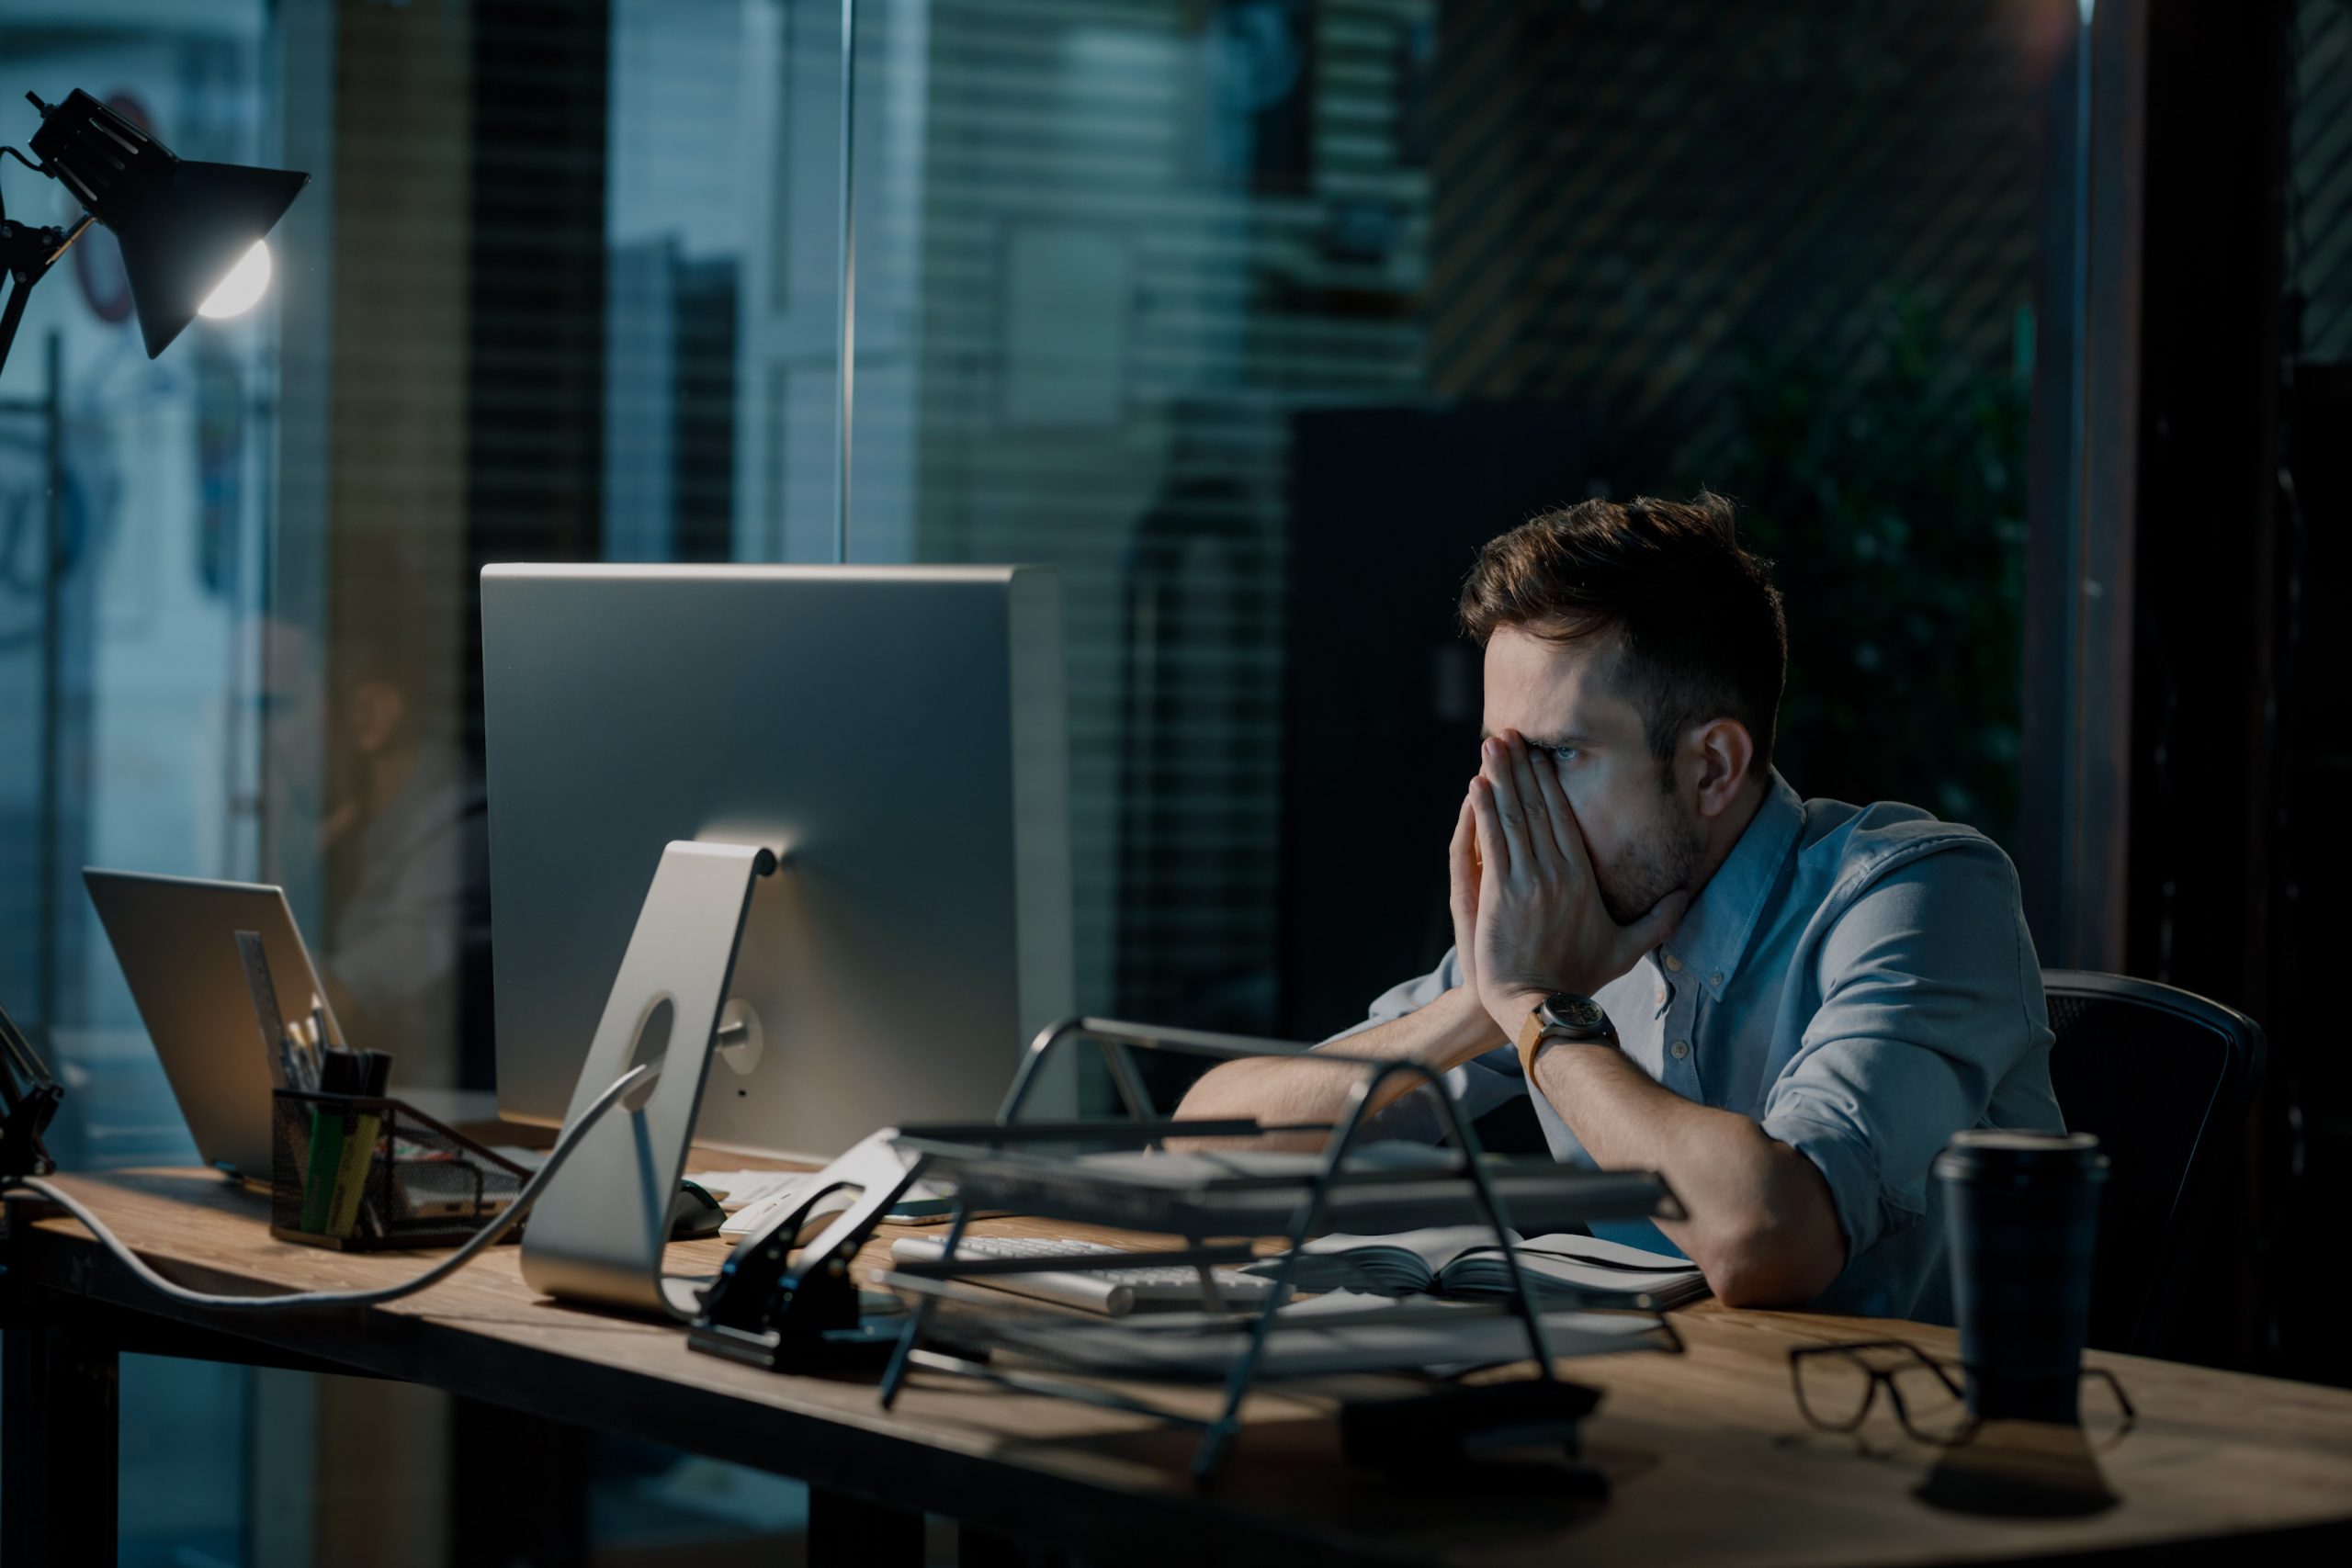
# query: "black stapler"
[767,1309]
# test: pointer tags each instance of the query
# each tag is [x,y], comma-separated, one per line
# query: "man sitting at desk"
[1784,1006]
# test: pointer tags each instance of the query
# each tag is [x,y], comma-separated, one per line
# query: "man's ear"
[1719,753]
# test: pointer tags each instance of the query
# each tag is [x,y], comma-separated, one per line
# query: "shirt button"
[1681,1049]
[1674,964]
[1716,980]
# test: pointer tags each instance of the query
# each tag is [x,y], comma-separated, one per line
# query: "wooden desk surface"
[1710,1460]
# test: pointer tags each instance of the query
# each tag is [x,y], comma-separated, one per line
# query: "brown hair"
[1701,622]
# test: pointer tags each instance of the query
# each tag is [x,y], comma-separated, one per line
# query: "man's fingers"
[1462,858]
[1511,812]
[1462,887]
[1494,848]
[1565,832]
[1524,764]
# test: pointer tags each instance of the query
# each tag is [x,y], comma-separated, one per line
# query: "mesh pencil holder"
[362,1174]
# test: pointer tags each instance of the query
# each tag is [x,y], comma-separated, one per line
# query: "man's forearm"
[1280,1090]
[1763,1224]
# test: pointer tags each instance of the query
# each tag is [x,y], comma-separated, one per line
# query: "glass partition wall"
[1256,317]
[1253,317]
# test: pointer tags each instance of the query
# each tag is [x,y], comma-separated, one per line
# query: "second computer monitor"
[897,732]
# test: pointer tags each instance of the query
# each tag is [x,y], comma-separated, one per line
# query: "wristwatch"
[1563,1015]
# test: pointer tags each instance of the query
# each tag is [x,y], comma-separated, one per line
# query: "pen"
[304,1056]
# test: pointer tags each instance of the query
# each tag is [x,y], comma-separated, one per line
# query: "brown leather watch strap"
[1530,1039]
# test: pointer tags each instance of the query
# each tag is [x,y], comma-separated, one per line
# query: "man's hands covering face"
[1462,887]
[1527,915]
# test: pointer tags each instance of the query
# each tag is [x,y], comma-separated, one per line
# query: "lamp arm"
[10,315]
[28,1098]
[29,254]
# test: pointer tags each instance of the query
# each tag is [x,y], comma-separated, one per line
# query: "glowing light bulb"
[246,280]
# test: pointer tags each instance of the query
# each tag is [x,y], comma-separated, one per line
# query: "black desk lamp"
[28,1098]
[191,237]
[191,232]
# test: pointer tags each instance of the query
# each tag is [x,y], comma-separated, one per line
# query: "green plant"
[1891,496]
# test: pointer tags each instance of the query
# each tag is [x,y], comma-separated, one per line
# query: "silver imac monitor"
[896,733]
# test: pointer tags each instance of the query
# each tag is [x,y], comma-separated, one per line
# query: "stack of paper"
[1315,1344]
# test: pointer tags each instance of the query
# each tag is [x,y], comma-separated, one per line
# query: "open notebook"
[1464,1260]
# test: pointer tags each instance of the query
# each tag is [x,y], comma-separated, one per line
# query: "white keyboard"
[1115,1293]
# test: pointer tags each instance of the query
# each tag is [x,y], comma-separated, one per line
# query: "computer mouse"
[693,1214]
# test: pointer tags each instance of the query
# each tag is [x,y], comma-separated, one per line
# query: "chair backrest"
[2164,1077]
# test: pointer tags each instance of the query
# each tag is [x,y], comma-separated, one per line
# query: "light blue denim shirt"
[1857,979]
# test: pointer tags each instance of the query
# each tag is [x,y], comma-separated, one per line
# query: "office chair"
[2165,1077]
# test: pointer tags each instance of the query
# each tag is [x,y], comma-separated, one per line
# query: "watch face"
[1574,1011]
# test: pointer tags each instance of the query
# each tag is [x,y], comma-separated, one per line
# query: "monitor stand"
[598,1232]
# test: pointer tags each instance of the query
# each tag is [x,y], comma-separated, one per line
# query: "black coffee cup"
[2022,1212]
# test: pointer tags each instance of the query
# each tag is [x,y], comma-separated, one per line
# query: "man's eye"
[1563,754]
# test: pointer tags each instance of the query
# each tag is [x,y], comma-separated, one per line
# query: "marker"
[359,1145]
[339,1074]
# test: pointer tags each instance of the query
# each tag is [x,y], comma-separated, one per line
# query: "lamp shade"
[183,226]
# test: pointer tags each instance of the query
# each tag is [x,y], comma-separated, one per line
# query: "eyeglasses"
[1837,1384]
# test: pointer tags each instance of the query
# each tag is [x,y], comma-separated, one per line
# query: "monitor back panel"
[896,733]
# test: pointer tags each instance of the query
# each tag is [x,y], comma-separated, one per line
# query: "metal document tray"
[1261,1194]
[1227,1183]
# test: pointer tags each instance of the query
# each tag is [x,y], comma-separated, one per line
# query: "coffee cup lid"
[1993,1151]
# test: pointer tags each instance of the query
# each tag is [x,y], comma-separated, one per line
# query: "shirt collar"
[1715,931]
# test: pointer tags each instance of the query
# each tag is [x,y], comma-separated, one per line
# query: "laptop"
[175,937]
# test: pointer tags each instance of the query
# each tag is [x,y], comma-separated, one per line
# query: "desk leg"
[58,1405]
[518,1488]
[849,1532]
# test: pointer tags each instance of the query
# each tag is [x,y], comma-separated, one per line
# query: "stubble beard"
[1666,857]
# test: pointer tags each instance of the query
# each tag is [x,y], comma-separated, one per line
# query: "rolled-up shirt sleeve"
[1477,1086]
[1929,994]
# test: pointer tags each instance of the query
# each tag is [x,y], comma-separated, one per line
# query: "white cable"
[487,1236]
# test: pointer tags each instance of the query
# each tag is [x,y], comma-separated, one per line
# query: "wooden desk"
[1710,1460]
